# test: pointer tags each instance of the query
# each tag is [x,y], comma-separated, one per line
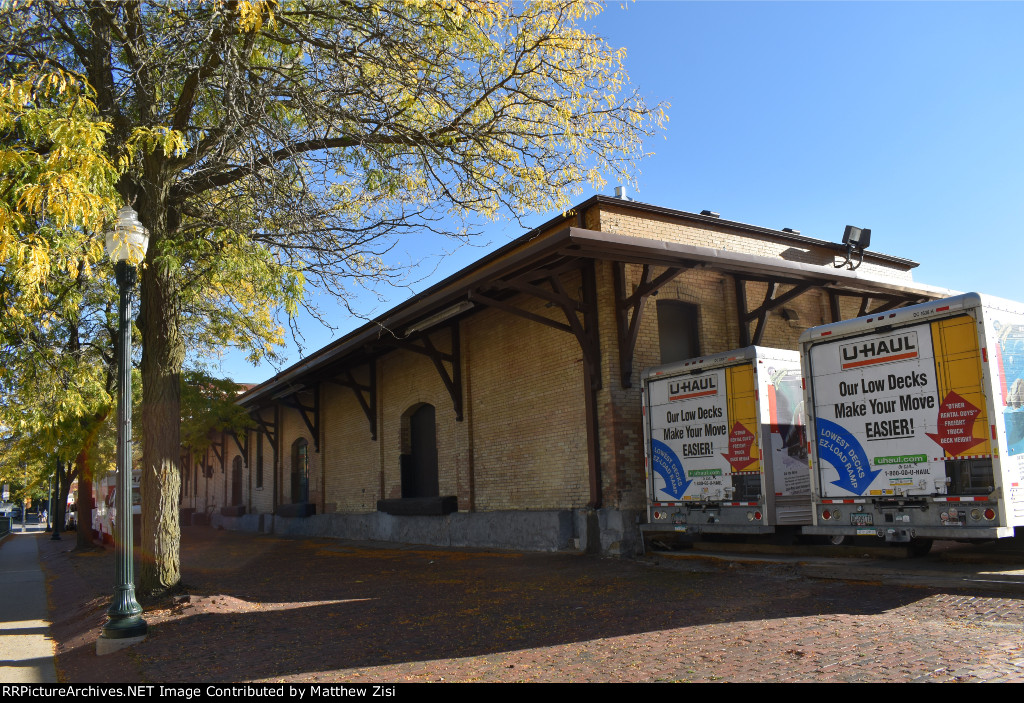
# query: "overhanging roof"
[537,248]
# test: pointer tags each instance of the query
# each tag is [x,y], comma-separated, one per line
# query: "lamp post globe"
[126,246]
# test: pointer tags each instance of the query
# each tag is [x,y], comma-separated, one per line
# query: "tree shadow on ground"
[263,607]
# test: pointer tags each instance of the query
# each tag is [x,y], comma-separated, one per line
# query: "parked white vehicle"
[104,515]
[917,422]
[725,445]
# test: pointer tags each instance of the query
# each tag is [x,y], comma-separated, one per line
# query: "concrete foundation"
[611,532]
[106,646]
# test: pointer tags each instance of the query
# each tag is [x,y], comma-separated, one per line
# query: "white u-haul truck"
[916,422]
[725,447]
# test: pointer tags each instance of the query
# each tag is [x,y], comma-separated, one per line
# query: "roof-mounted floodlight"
[856,241]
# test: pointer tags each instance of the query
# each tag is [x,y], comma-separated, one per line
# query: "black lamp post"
[56,518]
[126,246]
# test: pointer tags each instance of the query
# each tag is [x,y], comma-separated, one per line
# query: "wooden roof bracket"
[310,413]
[452,381]
[772,300]
[268,429]
[628,326]
[243,449]
[368,402]
[218,450]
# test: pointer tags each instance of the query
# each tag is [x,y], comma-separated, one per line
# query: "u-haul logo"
[880,350]
[693,388]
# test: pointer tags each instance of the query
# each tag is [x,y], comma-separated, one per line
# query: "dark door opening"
[236,481]
[300,471]
[419,478]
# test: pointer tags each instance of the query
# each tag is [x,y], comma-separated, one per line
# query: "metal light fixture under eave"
[856,241]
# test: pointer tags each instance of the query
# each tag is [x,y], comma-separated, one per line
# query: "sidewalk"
[26,647]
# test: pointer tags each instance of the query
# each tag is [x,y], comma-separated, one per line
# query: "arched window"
[300,471]
[678,332]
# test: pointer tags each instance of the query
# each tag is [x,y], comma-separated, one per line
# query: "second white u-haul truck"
[916,422]
[725,445]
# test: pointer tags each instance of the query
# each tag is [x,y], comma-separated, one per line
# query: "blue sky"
[904,117]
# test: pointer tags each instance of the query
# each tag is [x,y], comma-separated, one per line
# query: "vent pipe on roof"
[791,230]
[620,193]
[708,213]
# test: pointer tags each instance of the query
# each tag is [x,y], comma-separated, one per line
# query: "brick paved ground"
[269,609]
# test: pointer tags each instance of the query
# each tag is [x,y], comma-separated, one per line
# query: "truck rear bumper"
[718,529]
[902,534]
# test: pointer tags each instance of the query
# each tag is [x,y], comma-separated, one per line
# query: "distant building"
[501,406]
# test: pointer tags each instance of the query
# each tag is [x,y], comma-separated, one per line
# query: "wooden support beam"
[833,306]
[772,300]
[310,413]
[218,451]
[267,429]
[367,402]
[478,297]
[423,344]
[741,310]
[559,299]
[628,325]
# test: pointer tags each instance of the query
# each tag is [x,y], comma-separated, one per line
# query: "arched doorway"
[419,462]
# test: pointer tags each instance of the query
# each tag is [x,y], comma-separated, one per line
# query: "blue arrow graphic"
[667,465]
[841,449]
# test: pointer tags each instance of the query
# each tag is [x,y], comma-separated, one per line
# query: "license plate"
[862,519]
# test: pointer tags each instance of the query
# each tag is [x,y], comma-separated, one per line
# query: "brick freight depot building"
[501,406]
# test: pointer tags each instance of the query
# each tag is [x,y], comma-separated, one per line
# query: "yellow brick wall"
[217,493]
[522,444]
[209,490]
[262,498]
[292,428]
[665,228]
[231,452]
[351,456]
[407,380]
[526,407]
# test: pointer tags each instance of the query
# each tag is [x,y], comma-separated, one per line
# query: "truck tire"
[919,547]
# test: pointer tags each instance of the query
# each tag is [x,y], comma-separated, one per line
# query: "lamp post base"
[118,628]
[108,645]
[121,632]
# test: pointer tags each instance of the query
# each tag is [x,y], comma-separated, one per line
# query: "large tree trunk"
[85,503]
[64,479]
[162,359]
